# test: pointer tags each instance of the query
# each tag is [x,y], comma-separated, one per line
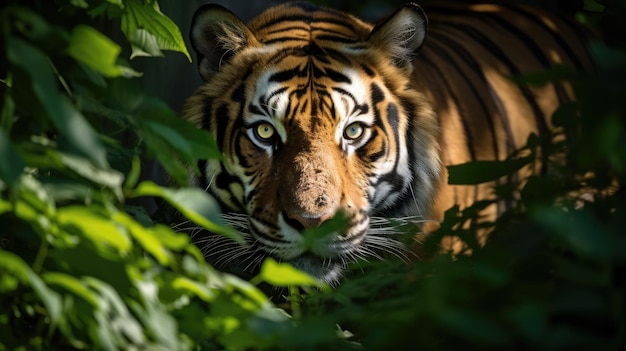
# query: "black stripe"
[284,39]
[222,115]
[370,73]
[272,226]
[530,43]
[359,109]
[393,120]
[339,33]
[203,181]
[238,150]
[539,52]
[337,76]
[376,94]
[307,19]
[558,38]
[205,123]
[250,196]
[337,55]
[371,158]
[475,67]
[468,135]
[223,181]
[286,75]
[497,52]
[296,26]
[337,39]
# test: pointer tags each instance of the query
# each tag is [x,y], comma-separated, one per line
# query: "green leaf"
[477,172]
[11,264]
[94,49]
[145,237]
[72,285]
[170,239]
[89,223]
[132,177]
[116,324]
[581,233]
[193,203]
[7,112]
[79,3]
[35,204]
[5,206]
[593,6]
[474,327]
[35,90]
[319,235]
[284,274]
[109,178]
[193,287]
[149,31]
[250,291]
[191,142]
[11,163]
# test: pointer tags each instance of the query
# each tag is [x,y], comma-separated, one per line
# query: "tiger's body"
[318,112]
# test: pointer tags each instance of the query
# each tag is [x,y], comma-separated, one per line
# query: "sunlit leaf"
[132,177]
[197,289]
[35,204]
[110,178]
[250,291]
[148,240]
[72,285]
[96,227]
[95,50]
[284,274]
[169,238]
[5,206]
[193,203]
[149,31]
[116,322]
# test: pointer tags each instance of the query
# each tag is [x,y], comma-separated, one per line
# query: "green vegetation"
[83,267]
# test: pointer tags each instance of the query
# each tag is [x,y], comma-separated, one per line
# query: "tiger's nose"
[302,220]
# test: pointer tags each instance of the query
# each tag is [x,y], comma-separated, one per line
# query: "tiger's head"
[315,113]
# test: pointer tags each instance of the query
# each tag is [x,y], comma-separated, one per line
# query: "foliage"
[83,267]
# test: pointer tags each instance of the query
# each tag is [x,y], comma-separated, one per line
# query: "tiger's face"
[314,114]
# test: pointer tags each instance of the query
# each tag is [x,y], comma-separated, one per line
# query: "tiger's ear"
[216,35]
[401,35]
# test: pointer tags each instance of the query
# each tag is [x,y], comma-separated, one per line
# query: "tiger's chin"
[325,269]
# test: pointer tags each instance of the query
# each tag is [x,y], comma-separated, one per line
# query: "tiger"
[320,114]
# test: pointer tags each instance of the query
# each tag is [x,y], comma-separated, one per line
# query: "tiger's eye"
[265,131]
[353,131]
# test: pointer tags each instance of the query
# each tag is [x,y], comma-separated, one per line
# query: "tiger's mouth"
[326,259]
[325,254]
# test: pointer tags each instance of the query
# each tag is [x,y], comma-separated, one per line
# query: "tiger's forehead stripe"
[286,93]
[303,22]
